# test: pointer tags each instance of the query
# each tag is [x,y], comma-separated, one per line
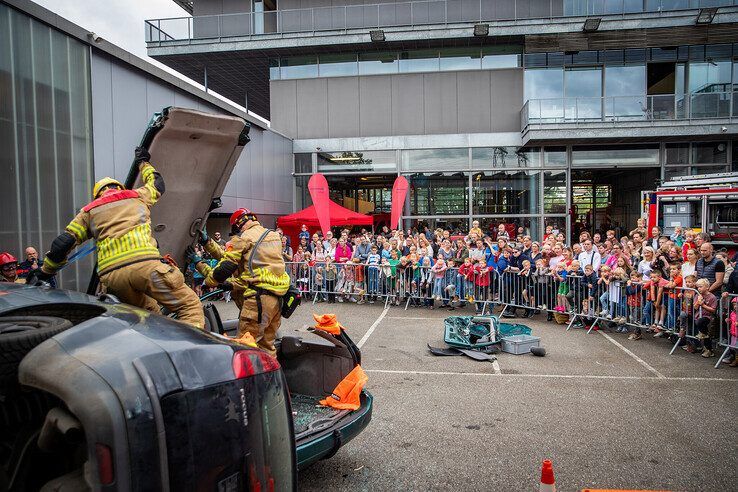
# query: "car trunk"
[313,366]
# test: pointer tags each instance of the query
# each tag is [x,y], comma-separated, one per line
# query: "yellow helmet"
[103,183]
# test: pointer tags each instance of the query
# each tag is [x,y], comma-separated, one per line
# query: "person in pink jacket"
[343,251]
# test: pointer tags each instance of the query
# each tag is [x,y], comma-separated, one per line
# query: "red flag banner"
[399,192]
[318,187]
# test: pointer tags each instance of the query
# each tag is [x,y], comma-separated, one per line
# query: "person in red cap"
[9,268]
[253,266]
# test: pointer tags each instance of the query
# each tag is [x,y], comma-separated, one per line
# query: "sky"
[121,22]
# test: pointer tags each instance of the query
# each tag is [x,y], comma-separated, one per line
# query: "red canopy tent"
[340,216]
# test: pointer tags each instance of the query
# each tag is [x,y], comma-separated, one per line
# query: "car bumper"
[326,445]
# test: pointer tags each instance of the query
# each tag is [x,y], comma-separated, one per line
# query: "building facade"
[533,112]
[72,109]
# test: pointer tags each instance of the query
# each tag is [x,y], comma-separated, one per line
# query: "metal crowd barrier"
[627,304]
[728,320]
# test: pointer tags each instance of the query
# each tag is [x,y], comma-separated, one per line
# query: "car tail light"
[104,464]
[248,363]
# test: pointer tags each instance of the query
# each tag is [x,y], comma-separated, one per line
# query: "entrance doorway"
[369,194]
[608,199]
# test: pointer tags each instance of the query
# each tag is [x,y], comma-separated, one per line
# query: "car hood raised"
[195,153]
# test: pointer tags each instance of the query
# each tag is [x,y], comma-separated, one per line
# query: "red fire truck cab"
[703,203]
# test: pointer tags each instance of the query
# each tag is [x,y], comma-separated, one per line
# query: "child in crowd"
[705,306]
[318,290]
[653,314]
[686,314]
[603,285]
[450,296]
[677,236]
[688,243]
[330,279]
[527,284]
[672,290]
[560,273]
[616,295]
[466,272]
[394,285]
[634,296]
[372,264]
[439,274]
[425,283]
[589,287]
[541,276]
[481,281]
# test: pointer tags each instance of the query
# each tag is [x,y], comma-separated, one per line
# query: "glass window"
[713,76]
[625,88]
[435,159]
[615,155]
[460,59]
[554,192]
[376,160]
[583,92]
[304,163]
[677,153]
[419,61]
[335,65]
[299,67]
[274,69]
[554,156]
[433,194]
[505,192]
[710,153]
[544,89]
[485,158]
[377,63]
[501,57]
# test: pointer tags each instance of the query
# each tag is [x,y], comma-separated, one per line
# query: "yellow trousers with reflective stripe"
[149,283]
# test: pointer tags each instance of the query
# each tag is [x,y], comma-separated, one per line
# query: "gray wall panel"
[283,99]
[375,105]
[343,106]
[439,98]
[102,111]
[407,105]
[312,108]
[403,104]
[473,96]
[506,86]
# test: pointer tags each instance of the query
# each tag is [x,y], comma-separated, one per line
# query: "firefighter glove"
[141,155]
[203,237]
[38,277]
[192,256]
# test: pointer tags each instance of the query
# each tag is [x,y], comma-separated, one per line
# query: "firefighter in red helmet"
[252,264]
[9,269]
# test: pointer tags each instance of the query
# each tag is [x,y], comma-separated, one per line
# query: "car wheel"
[20,334]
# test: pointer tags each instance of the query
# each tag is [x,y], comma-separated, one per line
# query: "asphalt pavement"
[609,412]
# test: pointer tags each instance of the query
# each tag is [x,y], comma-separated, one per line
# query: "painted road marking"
[410,317]
[372,328]
[638,359]
[555,376]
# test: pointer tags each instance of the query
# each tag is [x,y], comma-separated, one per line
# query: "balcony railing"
[421,12]
[624,109]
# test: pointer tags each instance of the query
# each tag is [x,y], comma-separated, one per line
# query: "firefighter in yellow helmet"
[128,260]
[252,264]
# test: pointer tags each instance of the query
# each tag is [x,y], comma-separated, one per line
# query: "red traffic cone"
[548,484]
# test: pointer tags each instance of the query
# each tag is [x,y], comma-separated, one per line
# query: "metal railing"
[728,326]
[421,12]
[623,109]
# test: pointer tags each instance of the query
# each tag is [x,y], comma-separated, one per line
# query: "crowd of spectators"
[13,270]
[642,278]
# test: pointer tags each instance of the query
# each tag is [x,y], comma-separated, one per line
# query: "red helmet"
[240,216]
[6,258]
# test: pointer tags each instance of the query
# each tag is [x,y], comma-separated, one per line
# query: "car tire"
[18,336]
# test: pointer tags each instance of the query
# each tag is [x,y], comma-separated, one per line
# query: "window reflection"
[435,159]
[583,92]
[615,155]
[376,160]
[505,157]
[335,65]
[461,59]
[545,87]
[505,192]
[378,63]
[438,193]
[554,192]
[419,61]
[625,88]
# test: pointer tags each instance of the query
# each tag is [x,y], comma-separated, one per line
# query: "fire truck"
[703,203]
